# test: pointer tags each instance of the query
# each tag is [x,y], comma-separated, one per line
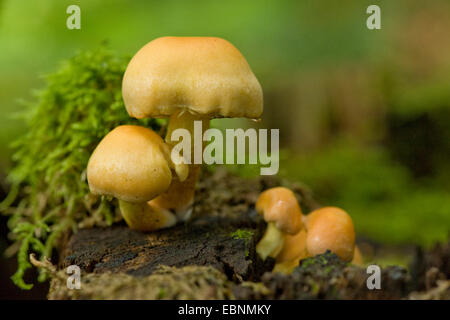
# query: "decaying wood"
[213,257]
[224,205]
[208,241]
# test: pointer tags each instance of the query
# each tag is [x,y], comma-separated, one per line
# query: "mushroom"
[330,228]
[283,215]
[294,250]
[357,257]
[189,79]
[133,164]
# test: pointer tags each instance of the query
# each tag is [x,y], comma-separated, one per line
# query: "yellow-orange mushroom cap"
[188,79]
[280,206]
[330,228]
[206,76]
[133,164]
[283,215]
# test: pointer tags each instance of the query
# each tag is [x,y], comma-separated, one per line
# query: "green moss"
[327,262]
[315,288]
[328,269]
[187,283]
[162,293]
[241,234]
[306,263]
[244,234]
[49,195]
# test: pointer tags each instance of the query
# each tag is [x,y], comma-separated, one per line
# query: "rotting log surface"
[206,259]
[326,276]
[203,242]
[224,204]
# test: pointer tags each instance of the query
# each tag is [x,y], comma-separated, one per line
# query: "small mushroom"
[283,215]
[294,250]
[189,79]
[330,228]
[133,164]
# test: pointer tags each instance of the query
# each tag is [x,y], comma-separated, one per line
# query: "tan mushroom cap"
[130,163]
[279,205]
[202,75]
[330,228]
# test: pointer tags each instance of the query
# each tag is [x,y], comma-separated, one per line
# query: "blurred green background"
[364,115]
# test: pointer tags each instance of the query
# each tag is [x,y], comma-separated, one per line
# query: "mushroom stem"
[357,257]
[145,216]
[286,267]
[271,243]
[294,250]
[180,195]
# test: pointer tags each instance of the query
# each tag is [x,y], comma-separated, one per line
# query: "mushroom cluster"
[185,79]
[291,236]
[189,79]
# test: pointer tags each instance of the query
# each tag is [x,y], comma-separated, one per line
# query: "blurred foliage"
[49,194]
[278,37]
[415,88]
[382,197]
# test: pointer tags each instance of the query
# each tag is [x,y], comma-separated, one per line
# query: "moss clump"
[241,234]
[49,194]
[326,261]
[190,282]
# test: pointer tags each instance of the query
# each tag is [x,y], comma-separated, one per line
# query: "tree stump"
[224,243]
